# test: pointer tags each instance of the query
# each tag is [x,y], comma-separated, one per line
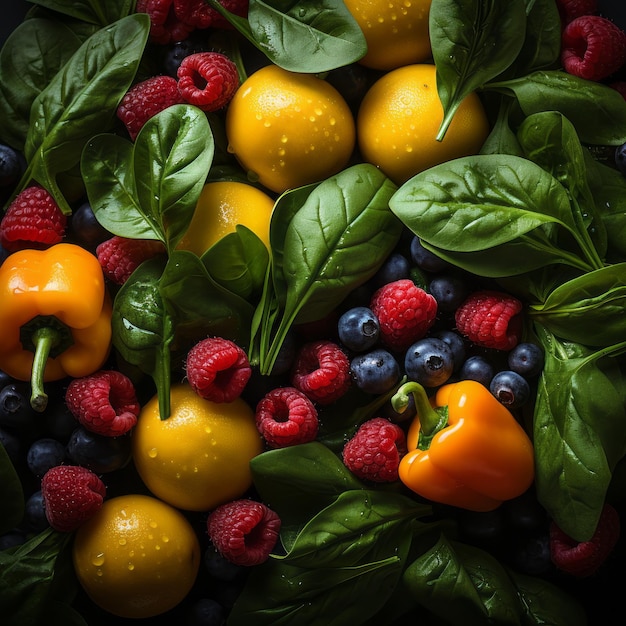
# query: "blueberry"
[220,567]
[286,354]
[35,519]
[531,555]
[456,343]
[11,166]
[375,372]
[86,229]
[526,359]
[206,612]
[12,539]
[12,445]
[395,267]
[177,51]
[429,361]
[358,329]
[620,158]
[511,389]
[15,409]
[98,453]
[425,259]
[449,290]
[44,454]
[477,368]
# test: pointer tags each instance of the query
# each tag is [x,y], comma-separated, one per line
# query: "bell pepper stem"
[45,338]
[430,420]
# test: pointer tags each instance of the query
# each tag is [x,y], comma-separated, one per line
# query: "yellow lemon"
[199,457]
[399,119]
[221,206]
[396,31]
[289,129]
[137,557]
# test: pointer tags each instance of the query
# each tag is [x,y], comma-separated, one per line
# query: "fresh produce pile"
[394,387]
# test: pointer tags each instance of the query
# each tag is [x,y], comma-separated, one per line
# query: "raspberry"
[32,220]
[198,14]
[321,371]
[207,80]
[405,313]
[286,417]
[120,257]
[375,451]
[72,495]
[165,26]
[490,319]
[620,87]
[244,531]
[592,47]
[145,99]
[582,559]
[218,369]
[104,403]
[571,9]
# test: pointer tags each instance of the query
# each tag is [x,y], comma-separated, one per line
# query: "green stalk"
[44,340]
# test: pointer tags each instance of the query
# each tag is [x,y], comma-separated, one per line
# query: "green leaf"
[464,36]
[81,100]
[323,32]
[579,431]
[93,11]
[11,494]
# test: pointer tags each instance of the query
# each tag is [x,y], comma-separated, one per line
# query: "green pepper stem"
[44,339]
[430,420]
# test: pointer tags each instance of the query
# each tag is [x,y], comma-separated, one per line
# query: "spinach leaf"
[476,203]
[588,309]
[11,494]
[579,431]
[143,330]
[597,111]
[31,56]
[149,189]
[323,32]
[81,100]
[27,578]
[93,11]
[335,242]
[465,35]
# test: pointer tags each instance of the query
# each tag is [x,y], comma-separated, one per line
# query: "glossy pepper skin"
[55,299]
[466,449]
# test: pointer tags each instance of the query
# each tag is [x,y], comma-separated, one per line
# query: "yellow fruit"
[396,31]
[199,457]
[137,557]
[289,129]
[221,206]
[399,119]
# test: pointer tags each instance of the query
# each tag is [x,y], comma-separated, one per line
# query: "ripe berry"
[526,359]
[429,361]
[449,291]
[178,50]
[511,389]
[12,445]
[11,166]
[425,259]
[96,452]
[86,229]
[375,451]
[395,267]
[570,9]
[358,329]
[477,368]
[44,454]
[456,343]
[15,408]
[119,256]
[244,531]
[165,26]
[375,372]
[35,519]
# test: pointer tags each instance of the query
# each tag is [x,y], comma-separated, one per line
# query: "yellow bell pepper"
[55,316]
[466,449]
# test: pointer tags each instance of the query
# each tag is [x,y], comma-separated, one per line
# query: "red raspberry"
[72,495]
[218,369]
[207,80]
[120,256]
[571,9]
[592,47]
[321,371]
[145,99]
[244,531]
[286,417]
[490,319]
[620,87]
[198,14]
[165,26]
[405,313]
[32,220]
[582,559]
[104,403]
[375,451]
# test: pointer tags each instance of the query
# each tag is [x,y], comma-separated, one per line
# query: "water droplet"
[152,524]
[165,538]
[122,541]
[98,560]
[152,453]
[131,566]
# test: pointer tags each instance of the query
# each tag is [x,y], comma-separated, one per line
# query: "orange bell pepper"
[466,449]
[55,316]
